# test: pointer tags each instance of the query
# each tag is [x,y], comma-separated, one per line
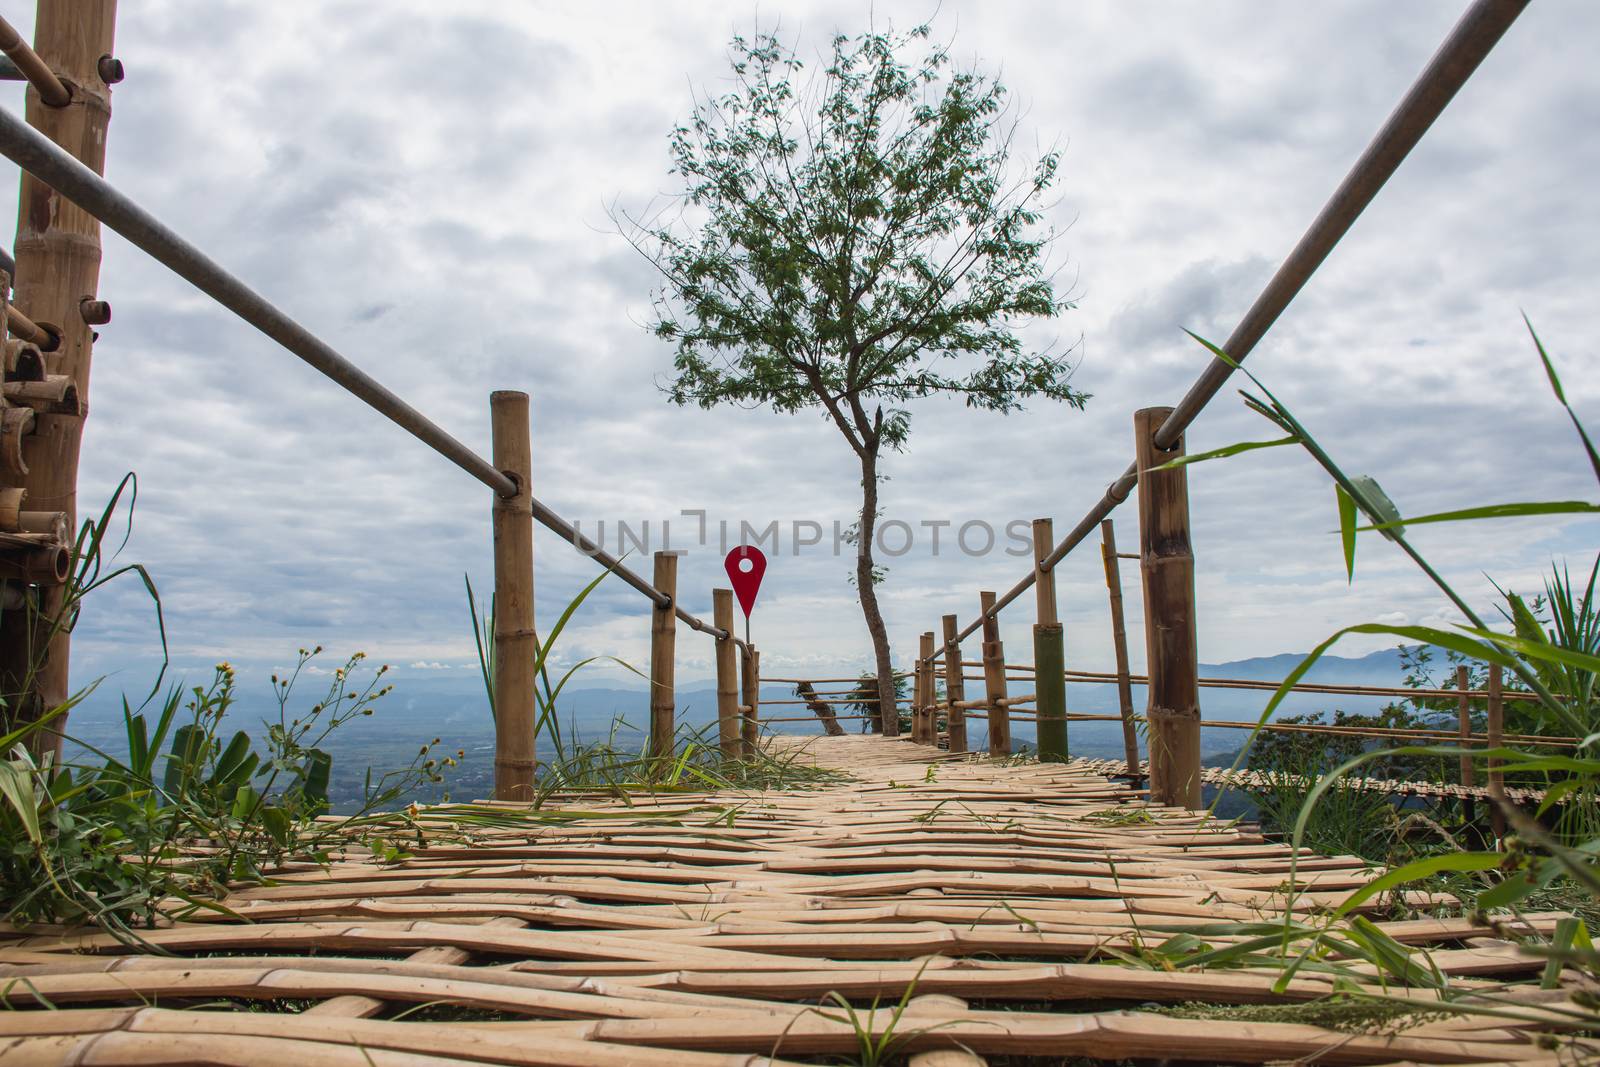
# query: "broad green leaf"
[1555,387]
[1423,868]
[16,785]
[1347,530]
[1224,452]
[1376,503]
[1494,511]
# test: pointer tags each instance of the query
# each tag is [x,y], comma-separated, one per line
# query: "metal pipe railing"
[47,162]
[1469,41]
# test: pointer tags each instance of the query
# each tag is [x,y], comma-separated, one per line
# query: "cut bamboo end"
[55,394]
[15,424]
[24,361]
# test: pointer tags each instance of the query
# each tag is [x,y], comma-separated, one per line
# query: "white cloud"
[437,213]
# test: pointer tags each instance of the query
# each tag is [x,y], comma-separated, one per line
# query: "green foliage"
[93,566]
[695,764]
[852,241]
[122,842]
[1550,855]
[866,689]
[855,231]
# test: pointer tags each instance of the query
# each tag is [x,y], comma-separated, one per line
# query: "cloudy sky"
[426,186]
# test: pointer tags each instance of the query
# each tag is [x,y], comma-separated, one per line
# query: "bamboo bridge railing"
[61,151]
[60,148]
[1166,558]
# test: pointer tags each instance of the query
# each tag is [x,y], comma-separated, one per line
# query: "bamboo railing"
[1166,558]
[35,547]
[70,77]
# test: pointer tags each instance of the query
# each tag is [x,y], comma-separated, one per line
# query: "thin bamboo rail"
[1471,39]
[49,164]
[31,67]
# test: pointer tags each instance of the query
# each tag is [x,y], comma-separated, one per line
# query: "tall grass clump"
[1549,648]
[567,764]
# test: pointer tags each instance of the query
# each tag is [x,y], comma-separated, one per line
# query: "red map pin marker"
[745,566]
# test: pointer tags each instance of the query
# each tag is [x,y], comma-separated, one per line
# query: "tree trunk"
[888,713]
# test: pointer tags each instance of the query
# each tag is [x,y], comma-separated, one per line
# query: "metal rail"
[46,161]
[1469,41]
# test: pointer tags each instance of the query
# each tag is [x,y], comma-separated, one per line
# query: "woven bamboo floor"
[696,929]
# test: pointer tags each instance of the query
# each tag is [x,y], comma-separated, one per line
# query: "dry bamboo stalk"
[515,641]
[43,80]
[1119,640]
[1464,720]
[925,696]
[954,687]
[750,663]
[729,724]
[57,252]
[994,678]
[663,650]
[1495,729]
[1044,578]
[1167,567]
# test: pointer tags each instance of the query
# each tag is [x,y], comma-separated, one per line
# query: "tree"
[851,244]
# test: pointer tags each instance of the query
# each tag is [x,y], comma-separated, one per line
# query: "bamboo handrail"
[22,326]
[46,161]
[1098,677]
[1469,41]
[31,67]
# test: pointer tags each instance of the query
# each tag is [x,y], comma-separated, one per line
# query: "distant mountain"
[451,706]
[1377,668]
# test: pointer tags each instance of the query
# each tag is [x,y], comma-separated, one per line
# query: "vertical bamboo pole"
[955,686]
[1167,565]
[925,713]
[1464,722]
[515,643]
[58,268]
[994,679]
[663,647]
[919,674]
[729,727]
[1119,639]
[752,702]
[1497,780]
[1049,651]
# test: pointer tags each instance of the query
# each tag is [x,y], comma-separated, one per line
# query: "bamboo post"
[1496,731]
[57,268]
[515,642]
[1167,566]
[1119,640]
[751,662]
[918,670]
[1464,722]
[955,686]
[663,646]
[925,713]
[1049,651]
[729,726]
[994,679]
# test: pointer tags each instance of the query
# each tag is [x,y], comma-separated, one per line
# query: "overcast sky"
[426,186]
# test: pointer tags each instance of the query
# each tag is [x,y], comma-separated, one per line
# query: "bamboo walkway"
[695,929]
